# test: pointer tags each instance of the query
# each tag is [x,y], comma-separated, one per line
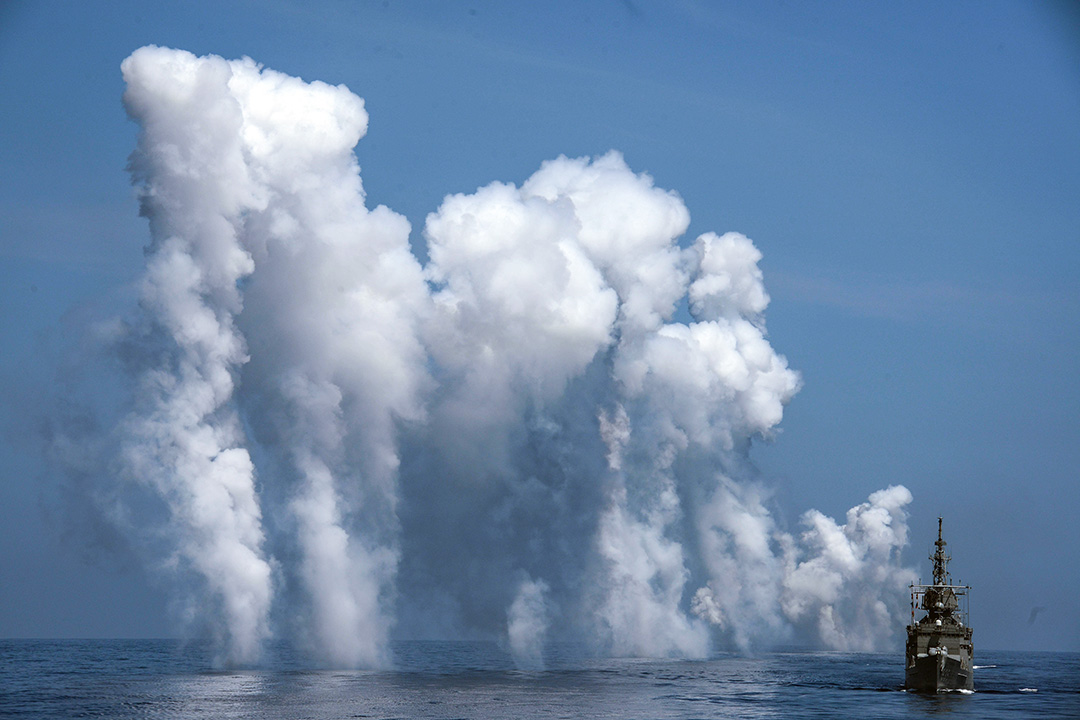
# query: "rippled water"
[168,679]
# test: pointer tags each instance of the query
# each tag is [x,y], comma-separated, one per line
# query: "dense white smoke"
[327,295]
[184,437]
[519,441]
[848,574]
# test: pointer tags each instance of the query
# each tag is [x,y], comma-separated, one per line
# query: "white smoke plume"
[522,440]
[184,436]
[846,576]
[527,625]
[327,294]
[332,309]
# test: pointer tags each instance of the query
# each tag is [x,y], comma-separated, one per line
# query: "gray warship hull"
[939,661]
[939,653]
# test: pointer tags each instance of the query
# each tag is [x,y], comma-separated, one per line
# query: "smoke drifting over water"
[516,441]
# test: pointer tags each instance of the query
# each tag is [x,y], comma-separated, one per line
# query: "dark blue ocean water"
[168,679]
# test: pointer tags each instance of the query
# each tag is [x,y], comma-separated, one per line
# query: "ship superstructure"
[939,648]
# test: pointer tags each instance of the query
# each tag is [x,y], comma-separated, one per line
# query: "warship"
[939,649]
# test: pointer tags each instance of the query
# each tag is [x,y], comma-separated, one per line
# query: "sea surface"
[43,679]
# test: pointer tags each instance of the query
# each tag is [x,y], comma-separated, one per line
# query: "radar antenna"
[941,560]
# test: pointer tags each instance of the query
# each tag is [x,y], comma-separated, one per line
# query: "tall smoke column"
[732,386]
[331,313]
[254,172]
[574,459]
[629,231]
[184,437]
[501,484]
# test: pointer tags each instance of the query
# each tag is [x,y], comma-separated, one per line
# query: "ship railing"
[962,612]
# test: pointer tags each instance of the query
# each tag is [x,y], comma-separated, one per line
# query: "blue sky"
[911,174]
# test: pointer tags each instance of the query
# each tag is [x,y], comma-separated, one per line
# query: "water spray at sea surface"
[519,440]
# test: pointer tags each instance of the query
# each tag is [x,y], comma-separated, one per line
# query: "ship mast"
[941,560]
